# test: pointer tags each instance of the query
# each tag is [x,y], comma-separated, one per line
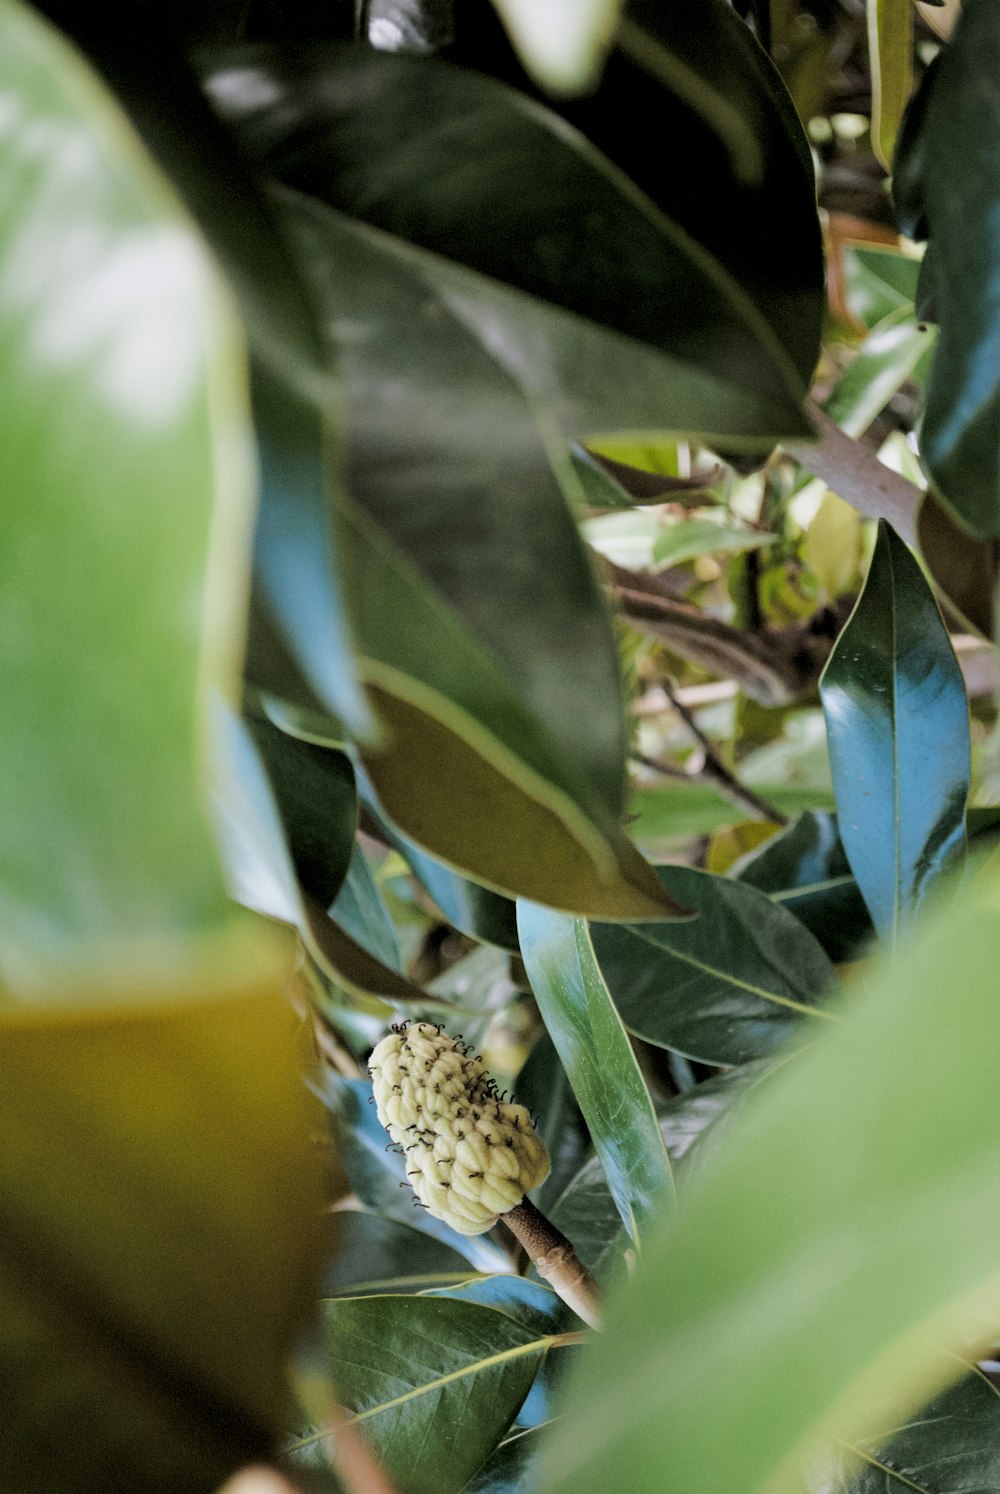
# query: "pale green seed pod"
[470,1156]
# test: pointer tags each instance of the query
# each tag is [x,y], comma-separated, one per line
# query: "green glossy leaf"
[691,109]
[536,1307]
[373,135]
[157,1175]
[889,355]
[377,1176]
[123,440]
[686,539]
[585,1210]
[837,1247]
[511,1469]
[947,166]
[433,1383]
[479,672]
[369,1254]
[950,1446]
[725,987]
[878,281]
[890,50]
[562,44]
[361,912]
[806,870]
[595,1052]
[898,726]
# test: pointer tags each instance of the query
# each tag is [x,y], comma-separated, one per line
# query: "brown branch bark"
[555,1260]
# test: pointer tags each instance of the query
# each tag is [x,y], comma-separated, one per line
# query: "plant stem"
[555,1260]
[712,768]
[855,474]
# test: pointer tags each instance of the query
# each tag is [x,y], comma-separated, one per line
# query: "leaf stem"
[555,1260]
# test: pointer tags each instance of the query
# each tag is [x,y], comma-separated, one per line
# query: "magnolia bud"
[470,1156]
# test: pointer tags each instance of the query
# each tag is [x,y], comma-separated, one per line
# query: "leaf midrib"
[731,980]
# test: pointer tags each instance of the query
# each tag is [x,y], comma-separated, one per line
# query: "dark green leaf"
[965,568]
[728,986]
[585,1210]
[300,646]
[948,172]
[433,1383]
[374,136]
[951,1446]
[361,913]
[898,727]
[806,870]
[878,282]
[122,430]
[836,1243]
[369,1253]
[596,1054]
[511,1469]
[483,673]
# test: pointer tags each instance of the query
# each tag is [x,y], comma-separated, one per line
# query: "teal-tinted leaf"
[898,725]
[950,1446]
[890,50]
[806,870]
[433,1383]
[377,1175]
[950,153]
[300,649]
[373,136]
[512,1468]
[595,1052]
[369,1253]
[889,355]
[361,913]
[686,539]
[123,443]
[725,987]
[836,1247]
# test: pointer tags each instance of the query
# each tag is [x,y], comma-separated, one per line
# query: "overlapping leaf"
[595,1052]
[388,140]
[946,191]
[838,1247]
[121,426]
[898,727]
[725,987]
[433,1382]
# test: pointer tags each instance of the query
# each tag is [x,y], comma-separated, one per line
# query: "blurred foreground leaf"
[836,1245]
[122,441]
[159,1245]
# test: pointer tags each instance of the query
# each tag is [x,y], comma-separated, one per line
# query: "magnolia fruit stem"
[555,1260]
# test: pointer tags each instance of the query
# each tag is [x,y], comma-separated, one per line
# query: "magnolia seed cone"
[470,1156]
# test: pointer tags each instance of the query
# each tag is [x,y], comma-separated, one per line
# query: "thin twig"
[555,1260]
[713,768]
